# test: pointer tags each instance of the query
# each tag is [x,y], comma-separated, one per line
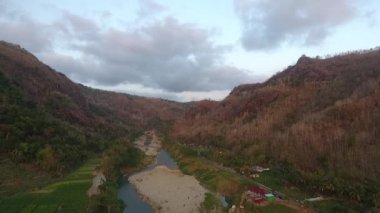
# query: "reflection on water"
[163,159]
[129,195]
[223,201]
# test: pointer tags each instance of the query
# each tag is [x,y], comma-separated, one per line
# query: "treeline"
[29,134]
[352,52]
[122,155]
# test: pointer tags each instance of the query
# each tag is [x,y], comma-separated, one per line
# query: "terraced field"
[68,195]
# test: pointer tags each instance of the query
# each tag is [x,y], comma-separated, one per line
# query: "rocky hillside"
[320,116]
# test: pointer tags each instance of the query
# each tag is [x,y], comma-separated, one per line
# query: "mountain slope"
[49,123]
[321,116]
[74,102]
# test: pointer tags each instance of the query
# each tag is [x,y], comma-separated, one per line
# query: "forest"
[318,120]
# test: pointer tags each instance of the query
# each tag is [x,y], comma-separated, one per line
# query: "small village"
[257,195]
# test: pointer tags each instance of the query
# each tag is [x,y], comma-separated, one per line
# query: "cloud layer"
[163,54]
[268,24]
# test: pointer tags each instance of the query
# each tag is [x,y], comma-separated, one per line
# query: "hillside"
[74,102]
[49,124]
[317,121]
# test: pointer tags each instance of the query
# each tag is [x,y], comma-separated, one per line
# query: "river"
[128,193]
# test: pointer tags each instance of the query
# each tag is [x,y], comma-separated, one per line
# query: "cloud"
[17,27]
[34,36]
[165,55]
[175,60]
[268,24]
[76,26]
[185,96]
[149,8]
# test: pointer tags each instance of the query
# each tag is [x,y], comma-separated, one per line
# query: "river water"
[128,193]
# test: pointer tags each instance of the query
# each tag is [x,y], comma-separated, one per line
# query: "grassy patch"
[335,207]
[276,183]
[211,204]
[68,195]
[13,176]
[212,177]
[275,208]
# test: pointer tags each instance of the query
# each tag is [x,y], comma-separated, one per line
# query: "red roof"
[258,190]
[258,200]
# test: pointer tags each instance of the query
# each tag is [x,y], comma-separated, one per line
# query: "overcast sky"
[184,50]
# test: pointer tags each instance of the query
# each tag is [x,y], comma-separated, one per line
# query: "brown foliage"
[76,103]
[322,115]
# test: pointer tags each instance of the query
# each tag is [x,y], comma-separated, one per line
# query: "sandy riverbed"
[148,143]
[169,190]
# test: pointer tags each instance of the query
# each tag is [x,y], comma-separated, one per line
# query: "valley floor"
[166,189]
[169,190]
[224,181]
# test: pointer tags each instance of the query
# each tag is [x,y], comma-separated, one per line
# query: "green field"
[275,208]
[13,176]
[68,195]
[334,206]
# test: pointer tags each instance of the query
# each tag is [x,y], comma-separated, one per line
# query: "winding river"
[128,193]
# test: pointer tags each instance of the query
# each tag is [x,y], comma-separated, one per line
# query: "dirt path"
[296,206]
[96,182]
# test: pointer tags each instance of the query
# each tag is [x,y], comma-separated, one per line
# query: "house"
[257,192]
[259,169]
[255,176]
[270,197]
[257,200]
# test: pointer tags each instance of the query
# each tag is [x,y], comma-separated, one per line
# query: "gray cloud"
[165,55]
[18,28]
[76,26]
[149,8]
[33,36]
[268,24]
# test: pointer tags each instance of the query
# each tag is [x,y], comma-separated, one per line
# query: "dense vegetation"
[32,135]
[318,120]
[121,156]
[316,124]
[50,125]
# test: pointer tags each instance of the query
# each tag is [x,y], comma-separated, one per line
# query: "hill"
[318,122]
[49,124]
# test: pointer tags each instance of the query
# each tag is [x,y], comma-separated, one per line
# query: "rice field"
[68,195]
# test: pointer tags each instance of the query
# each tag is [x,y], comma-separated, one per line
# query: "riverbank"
[221,180]
[161,184]
[169,190]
